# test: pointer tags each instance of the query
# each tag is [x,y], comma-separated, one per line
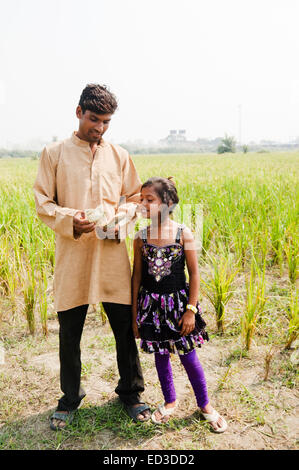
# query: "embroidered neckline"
[160,259]
[164,246]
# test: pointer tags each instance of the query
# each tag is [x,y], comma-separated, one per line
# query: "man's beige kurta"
[88,270]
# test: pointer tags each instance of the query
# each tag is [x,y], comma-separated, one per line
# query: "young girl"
[166,312]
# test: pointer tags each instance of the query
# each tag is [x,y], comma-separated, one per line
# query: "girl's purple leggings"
[195,374]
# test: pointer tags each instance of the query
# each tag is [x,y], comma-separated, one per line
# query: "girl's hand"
[135,329]
[188,323]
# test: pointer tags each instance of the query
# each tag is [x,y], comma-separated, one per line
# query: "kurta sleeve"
[130,197]
[59,219]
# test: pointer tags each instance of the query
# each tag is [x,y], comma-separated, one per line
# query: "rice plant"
[251,198]
[255,302]
[29,290]
[208,233]
[218,288]
[4,264]
[241,241]
[103,314]
[262,242]
[291,250]
[268,358]
[277,240]
[293,316]
[12,283]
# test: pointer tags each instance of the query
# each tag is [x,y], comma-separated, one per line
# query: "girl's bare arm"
[188,319]
[136,276]
[192,265]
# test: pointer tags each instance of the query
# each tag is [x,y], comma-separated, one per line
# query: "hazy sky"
[172,64]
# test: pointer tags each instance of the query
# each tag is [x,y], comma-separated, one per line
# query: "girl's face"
[150,203]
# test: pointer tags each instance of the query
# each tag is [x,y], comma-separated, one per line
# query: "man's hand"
[188,323]
[81,224]
[112,232]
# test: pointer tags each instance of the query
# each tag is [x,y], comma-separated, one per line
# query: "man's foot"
[161,415]
[60,419]
[144,415]
[138,412]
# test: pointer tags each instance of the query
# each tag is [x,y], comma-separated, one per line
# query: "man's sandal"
[134,411]
[64,416]
[213,418]
[164,412]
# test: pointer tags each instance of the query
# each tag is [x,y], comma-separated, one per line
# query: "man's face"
[92,125]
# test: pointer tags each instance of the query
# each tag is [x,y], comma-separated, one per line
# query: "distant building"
[175,136]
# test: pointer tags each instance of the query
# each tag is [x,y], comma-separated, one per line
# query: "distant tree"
[228,145]
[245,148]
[17,153]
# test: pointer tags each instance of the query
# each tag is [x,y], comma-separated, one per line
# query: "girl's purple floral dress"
[162,300]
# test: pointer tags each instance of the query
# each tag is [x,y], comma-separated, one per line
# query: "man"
[81,173]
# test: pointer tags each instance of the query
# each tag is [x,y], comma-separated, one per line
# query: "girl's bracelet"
[192,308]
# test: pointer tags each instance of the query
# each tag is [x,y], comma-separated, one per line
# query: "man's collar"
[83,143]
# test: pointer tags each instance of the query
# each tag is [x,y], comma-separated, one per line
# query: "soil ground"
[261,413]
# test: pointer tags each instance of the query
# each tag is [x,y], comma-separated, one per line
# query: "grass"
[236,355]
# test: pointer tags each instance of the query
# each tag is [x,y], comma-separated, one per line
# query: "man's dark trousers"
[71,324]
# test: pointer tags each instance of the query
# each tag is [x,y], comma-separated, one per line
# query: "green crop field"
[249,292]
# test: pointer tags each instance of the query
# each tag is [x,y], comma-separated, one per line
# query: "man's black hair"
[97,98]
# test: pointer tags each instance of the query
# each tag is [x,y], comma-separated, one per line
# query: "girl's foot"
[216,421]
[161,415]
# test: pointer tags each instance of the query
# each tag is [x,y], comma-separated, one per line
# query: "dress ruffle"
[158,317]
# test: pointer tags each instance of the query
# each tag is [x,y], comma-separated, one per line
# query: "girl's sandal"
[213,418]
[164,412]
